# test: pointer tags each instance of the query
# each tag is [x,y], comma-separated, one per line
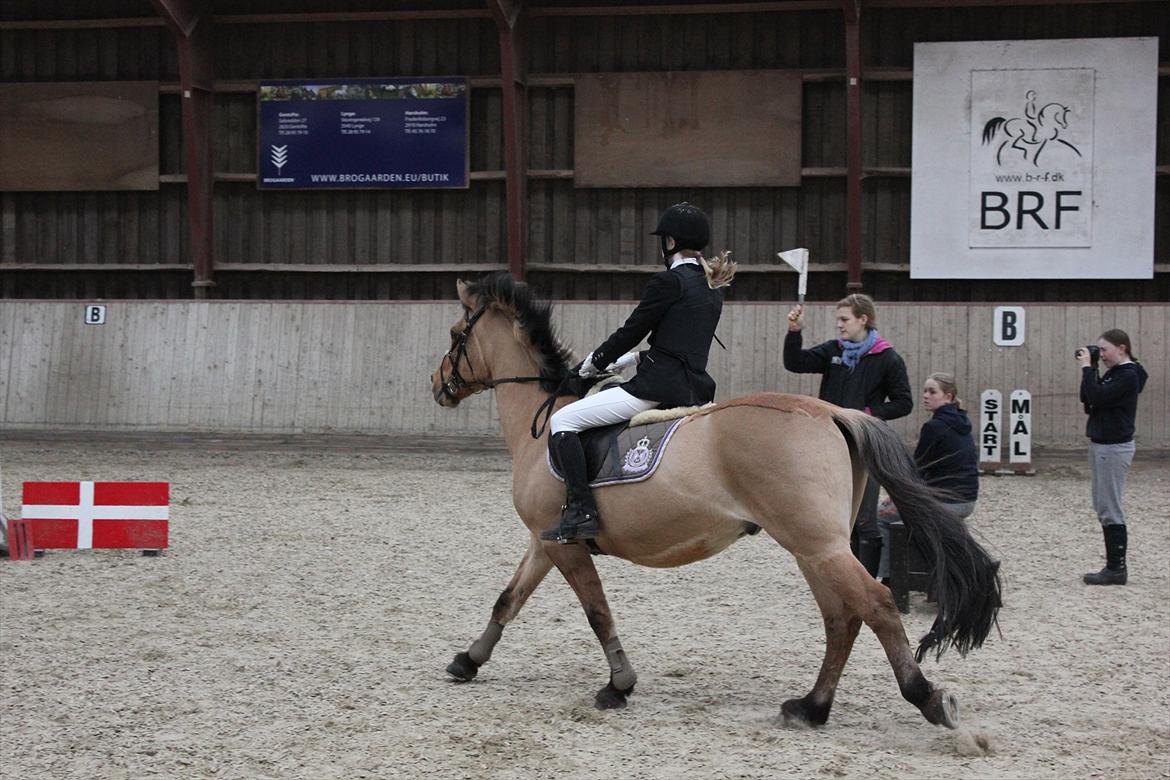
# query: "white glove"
[587,369]
[628,359]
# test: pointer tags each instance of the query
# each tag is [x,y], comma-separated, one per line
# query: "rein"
[454,382]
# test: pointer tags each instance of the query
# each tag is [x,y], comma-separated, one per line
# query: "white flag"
[798,259]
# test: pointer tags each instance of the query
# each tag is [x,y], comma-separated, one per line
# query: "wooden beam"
[54,267]
[853,140]
[354,16]
[511,21]
[446,268]
[327,268]
[190,22]
[697,8]
[572,11]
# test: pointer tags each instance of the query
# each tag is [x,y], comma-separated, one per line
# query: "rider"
[679,310]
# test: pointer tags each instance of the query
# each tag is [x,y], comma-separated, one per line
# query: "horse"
[792,465]
[1035,131]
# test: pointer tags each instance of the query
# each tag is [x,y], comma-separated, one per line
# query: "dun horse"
[791,465]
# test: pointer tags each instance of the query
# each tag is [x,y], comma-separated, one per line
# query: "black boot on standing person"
[1114,572]
[579,517]
[869,552]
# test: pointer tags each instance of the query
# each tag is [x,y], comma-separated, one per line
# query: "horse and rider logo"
[1028,136]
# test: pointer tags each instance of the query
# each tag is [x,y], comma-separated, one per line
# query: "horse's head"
[501,326]
[1054,118]
[456,377]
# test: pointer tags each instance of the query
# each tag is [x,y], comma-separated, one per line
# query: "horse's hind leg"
[937,705]
[841,627]
[576,565]
[865,598]
[532,570]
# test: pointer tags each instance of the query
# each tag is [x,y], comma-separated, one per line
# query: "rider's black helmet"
[687,224]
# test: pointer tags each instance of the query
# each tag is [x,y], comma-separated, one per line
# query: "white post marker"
[990,424]
[798,259]
[1020,420]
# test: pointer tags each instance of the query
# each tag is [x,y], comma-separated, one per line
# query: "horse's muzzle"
[443,395]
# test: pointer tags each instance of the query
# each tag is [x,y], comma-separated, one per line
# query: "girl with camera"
[1111,403]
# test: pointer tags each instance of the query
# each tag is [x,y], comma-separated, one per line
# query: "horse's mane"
[534,318]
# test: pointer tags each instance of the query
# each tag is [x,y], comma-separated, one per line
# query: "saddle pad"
[632,454]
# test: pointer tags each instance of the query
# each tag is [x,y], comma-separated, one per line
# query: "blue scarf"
[853,351]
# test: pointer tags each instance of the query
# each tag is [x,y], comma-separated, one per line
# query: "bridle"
[454,382]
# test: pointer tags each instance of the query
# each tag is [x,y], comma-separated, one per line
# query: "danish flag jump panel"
[84,515]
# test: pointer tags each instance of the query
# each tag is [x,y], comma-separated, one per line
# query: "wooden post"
[852,9]
[190,22]
[511,19]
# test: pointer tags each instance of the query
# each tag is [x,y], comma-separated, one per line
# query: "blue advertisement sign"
[363,134]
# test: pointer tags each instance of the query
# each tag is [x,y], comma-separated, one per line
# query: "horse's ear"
[464,297]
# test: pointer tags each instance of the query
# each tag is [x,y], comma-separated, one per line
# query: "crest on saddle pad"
[622,453]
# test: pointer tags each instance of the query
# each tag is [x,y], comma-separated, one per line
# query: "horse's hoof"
[942,709]
[463,668]
[610,698]
[803,712]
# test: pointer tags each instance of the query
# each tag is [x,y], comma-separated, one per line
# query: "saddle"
[628,451]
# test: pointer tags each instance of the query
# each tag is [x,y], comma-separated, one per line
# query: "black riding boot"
[869,552]
[579,517]
[1114,572]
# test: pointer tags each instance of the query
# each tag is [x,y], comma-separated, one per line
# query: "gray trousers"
[1108,467]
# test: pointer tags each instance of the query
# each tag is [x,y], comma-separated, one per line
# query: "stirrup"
[578,524]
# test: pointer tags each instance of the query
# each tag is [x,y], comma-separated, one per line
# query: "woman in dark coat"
[1111,403]
[945,455]
[678,311]
[862,371]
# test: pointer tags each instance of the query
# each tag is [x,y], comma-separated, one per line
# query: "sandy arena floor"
[314,592]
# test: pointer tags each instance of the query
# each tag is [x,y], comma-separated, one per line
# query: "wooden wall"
[364,367]
[135,246]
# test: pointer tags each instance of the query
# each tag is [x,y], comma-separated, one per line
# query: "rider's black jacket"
[680,312]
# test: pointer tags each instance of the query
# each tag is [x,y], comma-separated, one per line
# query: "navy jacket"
[946,454]
[679,312]
[1111,402]
[878,382]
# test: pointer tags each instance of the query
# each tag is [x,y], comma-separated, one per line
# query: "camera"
[1094,353]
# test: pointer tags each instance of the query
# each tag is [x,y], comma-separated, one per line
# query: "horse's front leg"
[532,570]
[575,563]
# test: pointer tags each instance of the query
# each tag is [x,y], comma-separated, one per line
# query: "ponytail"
[720,270]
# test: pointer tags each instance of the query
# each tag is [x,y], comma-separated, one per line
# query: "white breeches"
[605,408]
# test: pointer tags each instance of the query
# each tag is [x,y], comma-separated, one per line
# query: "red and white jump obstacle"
[91,515]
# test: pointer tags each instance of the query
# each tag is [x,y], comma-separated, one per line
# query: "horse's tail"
[992,126]
[965,580]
